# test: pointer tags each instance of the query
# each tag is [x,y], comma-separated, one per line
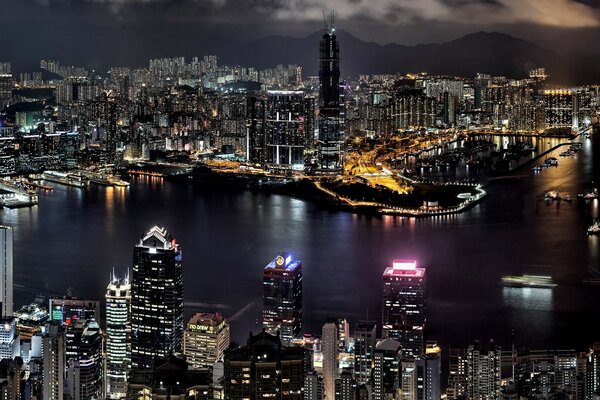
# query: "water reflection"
[534,299]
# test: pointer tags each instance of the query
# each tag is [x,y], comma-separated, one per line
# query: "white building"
[118,336]
[6,271]
[205,339]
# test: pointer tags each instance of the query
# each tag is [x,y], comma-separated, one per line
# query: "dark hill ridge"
[486,52]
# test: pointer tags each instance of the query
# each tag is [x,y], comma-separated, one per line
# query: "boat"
[69,179]
[100,180]
[534,281]
[118,182]
[552,195]
[594,229]
[589,195]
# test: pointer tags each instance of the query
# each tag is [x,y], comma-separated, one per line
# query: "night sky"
[34,29]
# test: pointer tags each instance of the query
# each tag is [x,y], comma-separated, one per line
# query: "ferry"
[534,281]
[589,195]
[68,179]
[108,180]
[594,229]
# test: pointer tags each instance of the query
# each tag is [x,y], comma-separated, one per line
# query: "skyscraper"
[118,335]
[282,298]
[386,369]
[264,369]
[365,336]
[156,298]
[331,112]
[404,305]
[329,343]
[53,354]
[428,373]
[205,340]
[285,135]
[6,269]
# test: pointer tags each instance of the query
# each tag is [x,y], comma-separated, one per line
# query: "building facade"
[156,298]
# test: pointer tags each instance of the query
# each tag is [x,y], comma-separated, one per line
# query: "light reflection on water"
[527,298]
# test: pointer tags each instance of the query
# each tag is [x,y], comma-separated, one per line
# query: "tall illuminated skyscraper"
[156,298]
[6,269]
[331,103]
[329,343]
[404,305]
[118,335]
[282,298]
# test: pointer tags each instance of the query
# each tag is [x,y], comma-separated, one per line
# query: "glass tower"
[403,316]
[282,298]
[156,298]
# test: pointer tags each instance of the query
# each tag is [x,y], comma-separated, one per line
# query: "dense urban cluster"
[145,350]
[139,346]
[277,119]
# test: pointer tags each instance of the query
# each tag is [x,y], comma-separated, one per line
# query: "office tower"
[483,371]
[171,379]
[331,123]
[156,298]
[11,372]
[365,336]
[53,355]
[255,129]
[285,135]
[593,371]
[264,368]
[313,386]
[343,334]
[83,345]
[404,305]
[458,377]
[329,345]
[345,386]
[118,335]
[6,269]
[9,339]
[205,340]
[69,309]
[408,380]
[428,369]
[282,298]
[386,369]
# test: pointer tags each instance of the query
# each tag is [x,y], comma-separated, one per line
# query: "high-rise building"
[345,386]
[404,305]
[428,369]
[11,373]
[53,355]
[313,386]
[365,337]
[329,345]
[156,298]
[408,380]
[264,368]
[386,369]
[205,340]
[285,135]
[282,298]
[331,103]
[85,368]
[6,269]
[483,371]
[118,336]
[9,338]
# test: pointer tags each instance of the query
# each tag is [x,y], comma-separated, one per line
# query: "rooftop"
[157,237]
[283,261]
[404,268]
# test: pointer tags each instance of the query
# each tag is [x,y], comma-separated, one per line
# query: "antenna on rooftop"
[332,16]
[325,21]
